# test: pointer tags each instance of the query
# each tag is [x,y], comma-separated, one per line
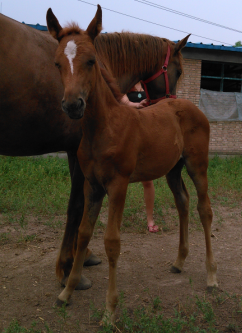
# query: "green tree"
[237,44]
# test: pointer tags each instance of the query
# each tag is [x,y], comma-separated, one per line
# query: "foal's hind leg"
[181,197]
[197,169]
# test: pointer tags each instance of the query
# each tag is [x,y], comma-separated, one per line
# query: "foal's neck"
[102,101]
[112,84]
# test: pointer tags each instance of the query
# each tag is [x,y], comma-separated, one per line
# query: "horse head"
[133,57]
[76,59]
[162,83]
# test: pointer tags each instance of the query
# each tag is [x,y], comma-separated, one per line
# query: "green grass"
[14,327]
[34,185]
[197,314]
[41,187]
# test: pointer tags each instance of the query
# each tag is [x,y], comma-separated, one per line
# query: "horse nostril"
[80,102]
[74,108]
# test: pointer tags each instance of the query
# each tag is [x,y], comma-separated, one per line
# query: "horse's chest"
[96,161]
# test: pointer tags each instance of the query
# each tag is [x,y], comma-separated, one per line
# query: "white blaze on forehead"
[70,52]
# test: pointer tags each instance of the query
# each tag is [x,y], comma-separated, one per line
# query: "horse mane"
[134,52]
[112,84]
[71,29]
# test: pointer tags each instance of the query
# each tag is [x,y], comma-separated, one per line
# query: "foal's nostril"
[80,102]
[63,105]
[74,108]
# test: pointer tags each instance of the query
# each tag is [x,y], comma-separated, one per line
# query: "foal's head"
[76,59]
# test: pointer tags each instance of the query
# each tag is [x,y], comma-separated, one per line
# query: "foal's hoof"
[211,289]
[92,260]
[175,269]
[60,303]
[84,283]
[107,319]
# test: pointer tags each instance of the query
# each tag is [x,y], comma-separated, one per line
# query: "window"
[218,76]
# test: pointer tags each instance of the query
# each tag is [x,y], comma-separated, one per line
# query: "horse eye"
[91,62]
[57,65]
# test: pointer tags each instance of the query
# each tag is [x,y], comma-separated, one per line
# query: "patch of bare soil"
[29,288]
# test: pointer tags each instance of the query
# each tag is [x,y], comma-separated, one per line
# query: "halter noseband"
[162,71]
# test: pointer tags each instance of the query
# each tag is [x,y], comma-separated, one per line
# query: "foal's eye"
[91,62]
[57,65]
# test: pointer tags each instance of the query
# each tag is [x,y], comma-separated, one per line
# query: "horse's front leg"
[116,198]
[93,201]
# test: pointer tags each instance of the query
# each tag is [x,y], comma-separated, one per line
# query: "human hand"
[142,104]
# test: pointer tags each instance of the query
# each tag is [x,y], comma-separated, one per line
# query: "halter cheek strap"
[153,77]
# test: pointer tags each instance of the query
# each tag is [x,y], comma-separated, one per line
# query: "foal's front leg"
[74,216]
[93,201]
[116,199]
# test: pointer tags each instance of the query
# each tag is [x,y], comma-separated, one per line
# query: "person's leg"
[149,197]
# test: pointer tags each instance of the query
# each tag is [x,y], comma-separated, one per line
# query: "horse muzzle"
[75,110]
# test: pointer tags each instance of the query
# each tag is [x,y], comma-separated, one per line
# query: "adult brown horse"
[121,145]
[32,122]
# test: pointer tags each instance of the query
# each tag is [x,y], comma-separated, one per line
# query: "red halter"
[163,70]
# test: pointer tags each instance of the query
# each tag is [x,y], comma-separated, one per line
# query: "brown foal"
[121,145]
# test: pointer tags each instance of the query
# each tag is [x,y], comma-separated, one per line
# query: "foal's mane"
[134,52]
[71,29]
[74,29]
[112,84]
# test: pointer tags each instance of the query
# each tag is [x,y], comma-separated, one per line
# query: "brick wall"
[225,137]
[188,86]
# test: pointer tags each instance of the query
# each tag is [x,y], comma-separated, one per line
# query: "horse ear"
[95,26]
[53,24]
[179,45]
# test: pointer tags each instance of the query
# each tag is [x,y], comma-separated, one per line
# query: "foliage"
[150,319]
[34,185]
[238,44]
[14,327]
[41,187]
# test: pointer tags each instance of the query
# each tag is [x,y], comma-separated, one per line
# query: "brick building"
[210,68]
[213,68]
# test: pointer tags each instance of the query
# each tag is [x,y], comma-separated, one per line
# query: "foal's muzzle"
[75,110]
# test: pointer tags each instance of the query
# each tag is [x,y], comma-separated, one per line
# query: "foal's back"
[163,133]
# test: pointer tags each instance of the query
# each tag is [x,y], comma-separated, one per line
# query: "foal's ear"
[95,26]
[181,43]
[53,24]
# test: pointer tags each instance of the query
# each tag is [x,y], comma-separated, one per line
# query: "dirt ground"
[29,287]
